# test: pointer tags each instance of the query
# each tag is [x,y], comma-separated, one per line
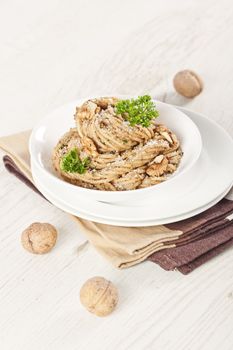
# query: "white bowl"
[50,129]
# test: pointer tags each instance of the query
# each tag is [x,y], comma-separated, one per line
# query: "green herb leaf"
[71,162]
[138,111]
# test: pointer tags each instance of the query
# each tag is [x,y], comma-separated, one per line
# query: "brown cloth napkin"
[184,245]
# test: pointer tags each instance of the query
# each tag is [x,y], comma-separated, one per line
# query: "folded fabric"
[184,257]
[184,245]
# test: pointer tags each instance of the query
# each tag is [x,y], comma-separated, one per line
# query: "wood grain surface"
[52,52]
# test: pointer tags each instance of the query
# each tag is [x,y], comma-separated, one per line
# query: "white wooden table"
[52,52]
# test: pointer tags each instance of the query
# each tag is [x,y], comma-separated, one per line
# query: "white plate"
[45,136]
[213,176]
[79,213]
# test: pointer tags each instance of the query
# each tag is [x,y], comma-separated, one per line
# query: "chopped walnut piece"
[159,158]
[166,136]
[89,146]
[157,169]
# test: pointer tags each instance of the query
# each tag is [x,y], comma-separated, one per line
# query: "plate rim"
[194,113]
[142,223]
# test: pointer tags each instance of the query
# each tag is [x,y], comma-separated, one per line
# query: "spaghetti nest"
[120,156]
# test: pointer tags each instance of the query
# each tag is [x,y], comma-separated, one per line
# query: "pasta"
[121,157]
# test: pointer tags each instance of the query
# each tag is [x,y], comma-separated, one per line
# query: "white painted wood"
[50,53]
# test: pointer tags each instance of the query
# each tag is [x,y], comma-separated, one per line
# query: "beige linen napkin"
[122,246]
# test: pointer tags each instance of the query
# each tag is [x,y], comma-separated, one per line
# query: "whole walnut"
[187,83]
[99,296]
[39,238]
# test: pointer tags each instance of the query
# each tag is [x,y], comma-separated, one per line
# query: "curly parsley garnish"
[138,111]
[71,162]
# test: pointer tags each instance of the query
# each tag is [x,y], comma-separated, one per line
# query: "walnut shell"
[187,83]
[39,238]
[99,296]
